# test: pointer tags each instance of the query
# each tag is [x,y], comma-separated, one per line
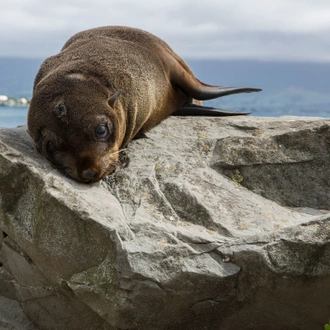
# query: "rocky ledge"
[213,223]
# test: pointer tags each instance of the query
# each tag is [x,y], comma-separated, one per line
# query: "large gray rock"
[214,223]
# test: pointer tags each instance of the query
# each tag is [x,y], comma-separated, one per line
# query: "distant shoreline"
[14,102]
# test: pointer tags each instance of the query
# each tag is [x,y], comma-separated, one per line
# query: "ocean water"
[13,116]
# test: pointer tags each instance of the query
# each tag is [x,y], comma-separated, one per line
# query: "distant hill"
[271,76]
[288,88]
[17,76]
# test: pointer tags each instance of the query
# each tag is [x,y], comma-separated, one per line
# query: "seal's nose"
[88,174]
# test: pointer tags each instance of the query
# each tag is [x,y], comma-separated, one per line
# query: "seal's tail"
[182,76]
[202,91]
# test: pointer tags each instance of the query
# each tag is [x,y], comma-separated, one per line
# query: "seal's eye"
[101,131]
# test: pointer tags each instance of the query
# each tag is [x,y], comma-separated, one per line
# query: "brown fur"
[77,90]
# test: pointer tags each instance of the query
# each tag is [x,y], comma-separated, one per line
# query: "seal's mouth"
[88,175]
[98,170]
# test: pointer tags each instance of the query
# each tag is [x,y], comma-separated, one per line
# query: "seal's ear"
[113,99]
[60,110]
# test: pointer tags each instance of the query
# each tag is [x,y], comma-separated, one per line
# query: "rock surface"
[214,223]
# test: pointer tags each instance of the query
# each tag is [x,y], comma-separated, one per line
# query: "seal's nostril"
[88,174]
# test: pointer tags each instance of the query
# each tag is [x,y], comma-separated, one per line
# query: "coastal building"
[3,98]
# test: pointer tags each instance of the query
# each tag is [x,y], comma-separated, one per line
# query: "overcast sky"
[286,30]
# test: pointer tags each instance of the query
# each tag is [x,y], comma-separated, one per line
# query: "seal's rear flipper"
[191,109]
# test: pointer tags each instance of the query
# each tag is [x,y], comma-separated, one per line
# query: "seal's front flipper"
[191,109]
[140,136]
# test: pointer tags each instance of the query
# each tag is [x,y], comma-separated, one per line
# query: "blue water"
[12,116]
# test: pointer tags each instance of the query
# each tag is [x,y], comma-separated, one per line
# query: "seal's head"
[73,122]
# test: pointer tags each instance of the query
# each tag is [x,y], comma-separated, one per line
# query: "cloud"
[255,29]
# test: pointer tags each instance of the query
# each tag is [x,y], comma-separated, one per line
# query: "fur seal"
[106,86]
